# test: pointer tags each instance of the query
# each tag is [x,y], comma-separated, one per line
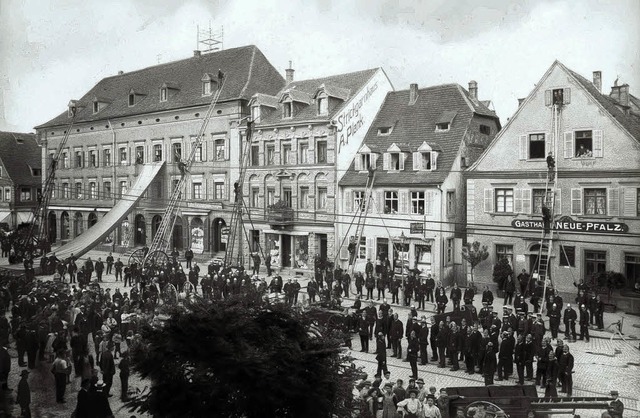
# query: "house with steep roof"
[154,115]
[303,137]
[419,144]
[595,141]
[20,177]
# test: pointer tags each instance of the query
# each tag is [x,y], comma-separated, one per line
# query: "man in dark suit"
[108,367]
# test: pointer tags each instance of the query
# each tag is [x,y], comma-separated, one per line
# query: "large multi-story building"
[304,137]
[20,175]
[153,115]
[595,141]
[418,144]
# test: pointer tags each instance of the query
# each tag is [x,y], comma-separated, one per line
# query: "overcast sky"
[54,51]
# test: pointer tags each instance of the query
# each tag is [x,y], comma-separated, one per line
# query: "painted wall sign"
[416,228]
[355,118]
[566,223]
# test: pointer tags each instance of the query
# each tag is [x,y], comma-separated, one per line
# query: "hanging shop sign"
[416,227]
[566,223]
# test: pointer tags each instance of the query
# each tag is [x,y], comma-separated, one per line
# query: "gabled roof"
[19,152]
[415,125]
[264,100]
[296,96]
[333,91]
[246,71]
[629,122]
[351,82]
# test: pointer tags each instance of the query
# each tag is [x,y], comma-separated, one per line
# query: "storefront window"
[423,258]
[272,244]
[301,243]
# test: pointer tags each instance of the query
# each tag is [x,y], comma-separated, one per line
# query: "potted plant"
[474,254]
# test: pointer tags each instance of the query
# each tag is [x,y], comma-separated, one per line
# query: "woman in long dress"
[388,402]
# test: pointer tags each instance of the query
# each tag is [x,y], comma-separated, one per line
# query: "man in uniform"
[570,317]
[109,263]
[584,323]
[554,320]
[455,296]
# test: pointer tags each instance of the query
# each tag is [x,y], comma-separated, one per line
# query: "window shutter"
[568,144]
[205,194]
[576,201]
[566,96]
[523,147]
[557,205]
[547,98]
[403,202]
[526,200]
[428,209]
[434,160]
[598,144]
[358,162]
[517,200]
[613,198]
[630,201]
[348,201]
[227,148]
[385,161]
[204,151]
[370,248]
[402,157]
[417,161]
[379,196]
[374,160]
[547,144]
[488,200]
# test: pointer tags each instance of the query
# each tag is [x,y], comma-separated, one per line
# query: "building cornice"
[529,174]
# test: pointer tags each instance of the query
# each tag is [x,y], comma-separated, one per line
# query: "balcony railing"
[280,216]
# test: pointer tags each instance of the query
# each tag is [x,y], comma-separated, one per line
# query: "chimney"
[413,93]
[197,53]
[624,95]
[473,89]
[520,101]
[120,72]
[597,80]
[289,71]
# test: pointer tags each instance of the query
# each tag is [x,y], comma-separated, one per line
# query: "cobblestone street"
[600,366]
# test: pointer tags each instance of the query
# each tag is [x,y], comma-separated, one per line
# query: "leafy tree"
[245,357]
[474,254]
[501,271]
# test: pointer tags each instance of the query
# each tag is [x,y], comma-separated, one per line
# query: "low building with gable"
[594,139]
[419,144]
[20,178]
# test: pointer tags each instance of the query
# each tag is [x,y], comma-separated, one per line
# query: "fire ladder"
[548,209]
[359,219]
[37,238]
[157,251]
[236,225]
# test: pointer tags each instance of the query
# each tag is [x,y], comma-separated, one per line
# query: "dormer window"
[287,109]
[132,99]
[96,106]
[365,159]
[425,159]
[255,113]
[163,94]
[323,105]
[443,124]
[100,103]
[72,107]
[385,130]
[393,159]
[206,88]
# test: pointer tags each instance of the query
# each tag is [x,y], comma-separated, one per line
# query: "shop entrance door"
[286,251]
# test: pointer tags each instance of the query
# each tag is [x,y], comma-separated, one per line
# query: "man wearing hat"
[616,407]
[423,341]
[24,394]
[422,391]
[570,317]
[584,323]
